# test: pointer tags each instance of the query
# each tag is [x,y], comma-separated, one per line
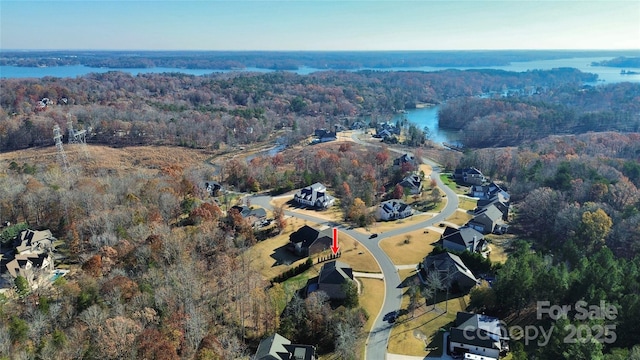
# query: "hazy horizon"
[319,25]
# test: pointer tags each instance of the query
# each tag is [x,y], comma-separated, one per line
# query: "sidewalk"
[368,275]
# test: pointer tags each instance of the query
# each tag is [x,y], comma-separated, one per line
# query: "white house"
[314,196]
[393,209]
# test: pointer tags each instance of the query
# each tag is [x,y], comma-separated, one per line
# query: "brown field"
[113,160]
[460,217]
[371,299]
[466,203]
[419,246]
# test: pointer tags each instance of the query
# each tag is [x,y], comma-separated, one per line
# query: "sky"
[319,25]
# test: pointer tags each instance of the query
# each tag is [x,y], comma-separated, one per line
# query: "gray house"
[487,220]
[478,334]
[470,176]
[333,276]
[449,268]
[277,347]
[464,238]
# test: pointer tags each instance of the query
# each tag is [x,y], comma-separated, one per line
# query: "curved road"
[379,336]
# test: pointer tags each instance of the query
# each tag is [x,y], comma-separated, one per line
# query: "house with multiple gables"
[324,135]
[464,238]
[405,159]
[491,190]
[470,175]
[386,130]
[251,215]
[487,220]
[450,269]
[413,182]
[308,241]
[213,188]
[314,196]
[333,277]
[33,259]
[393,209]
[477,334]
[277,347]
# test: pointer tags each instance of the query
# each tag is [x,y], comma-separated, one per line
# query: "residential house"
[393,209]
[30,266]
[324,135]
[314,196]
[34,241]
[308,241]
[277,347]
[487,220]
[413,183]
[333,277]
[253,216]
[213,188]
[404,159]
[450,268]
[470,176]
[486,192]
[494,201]
[479,335]
[464,238]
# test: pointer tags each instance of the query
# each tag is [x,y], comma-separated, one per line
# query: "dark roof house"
[450,268]
[469,176]
[413,183]
[308,241]
[277,347]
[478,334]
[405,158]
[332,278]
[464,238]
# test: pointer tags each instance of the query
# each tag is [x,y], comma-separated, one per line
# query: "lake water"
[605,74]
[428,117]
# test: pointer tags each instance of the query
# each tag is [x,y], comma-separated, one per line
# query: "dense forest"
[233,109]
[341,60]
[621,62]
[539,113]
[577,216]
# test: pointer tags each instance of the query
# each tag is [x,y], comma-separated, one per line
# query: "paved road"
[379,336]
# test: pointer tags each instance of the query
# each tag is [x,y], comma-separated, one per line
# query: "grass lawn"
[448,181]
[270,257]
[371,299]
[412,335]
[466,203]
[499,245]
[460,217]
[382,226]
[355,255]
[420,244]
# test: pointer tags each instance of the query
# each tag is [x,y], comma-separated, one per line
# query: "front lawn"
[410,248]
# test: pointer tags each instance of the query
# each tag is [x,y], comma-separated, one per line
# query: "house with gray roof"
[450,268]
[314,196]
[470,176]
[413,182]
[479,335]
[332,279]
[393,209]
[277,347]
[487,220]
[464,238]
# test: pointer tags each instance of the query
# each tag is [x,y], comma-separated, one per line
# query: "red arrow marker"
[335,247]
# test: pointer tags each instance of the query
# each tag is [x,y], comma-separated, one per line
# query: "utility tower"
[78,137]
[62,156]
